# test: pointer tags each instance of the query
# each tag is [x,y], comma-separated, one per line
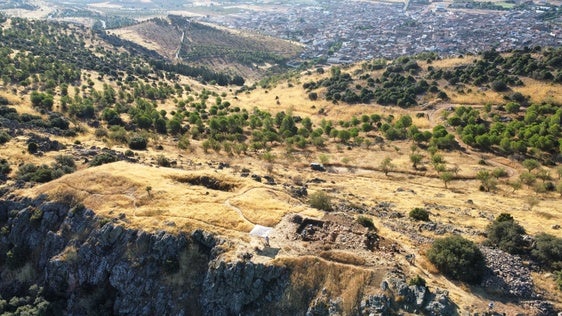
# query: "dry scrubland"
[149,197]
[152,198]
[172,204]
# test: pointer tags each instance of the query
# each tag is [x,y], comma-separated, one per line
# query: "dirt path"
[238,210]
[180,45]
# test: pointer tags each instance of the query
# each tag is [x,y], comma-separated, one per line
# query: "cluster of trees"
[57,52]
[111,21]
[500,72]
[337,87]
[212,43]
[52,53]
[43,173]
[32,303]
[222,127]
[200,73]
[536,133]
[538,129]
[507,234]
[461,259]
[401,83]
[54,123]
[398,85]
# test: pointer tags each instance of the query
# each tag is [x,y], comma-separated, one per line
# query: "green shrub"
[183,142]
[116,133]
[101,132]
[499,86]
[457,258]
[417,281]
[320,200]
[138,143]
[36,216]
[5,168]
[33,173]
[504,217]
[527,178]
[366,222]
[559,280]
[32,148]
[43,174]
[512,107]
[499,173]
[505,233]
[102,158]
[59,121]
[419,214]
[163,161]
[4,137]
[65,163]
[548,251]
[531,164]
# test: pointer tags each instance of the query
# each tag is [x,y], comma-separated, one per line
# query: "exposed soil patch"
[208,182]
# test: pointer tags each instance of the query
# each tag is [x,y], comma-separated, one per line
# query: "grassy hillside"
[105,126]
[242,53]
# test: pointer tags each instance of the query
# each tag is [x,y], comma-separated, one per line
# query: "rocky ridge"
[78,262]
[85,262]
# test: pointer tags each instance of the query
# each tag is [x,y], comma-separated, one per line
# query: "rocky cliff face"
[83,264]
[60,259]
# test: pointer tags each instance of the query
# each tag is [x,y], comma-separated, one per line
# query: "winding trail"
[238,210]
[129,194]
[133,199]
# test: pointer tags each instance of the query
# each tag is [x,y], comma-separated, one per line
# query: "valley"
[126,171]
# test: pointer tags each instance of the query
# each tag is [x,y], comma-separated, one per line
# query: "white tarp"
[261,231]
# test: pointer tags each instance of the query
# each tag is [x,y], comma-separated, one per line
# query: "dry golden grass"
[164,40]
[540,91]
[124,188]
[272,205]
[12,99]
[31,14]
[296,100]
[361,183]
[451,62]
[474,98]
[342,257]
[537,91]
[181,202]
[545,283]
[421,122]
[311,274]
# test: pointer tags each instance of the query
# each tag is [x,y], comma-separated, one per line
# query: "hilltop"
[157,147]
